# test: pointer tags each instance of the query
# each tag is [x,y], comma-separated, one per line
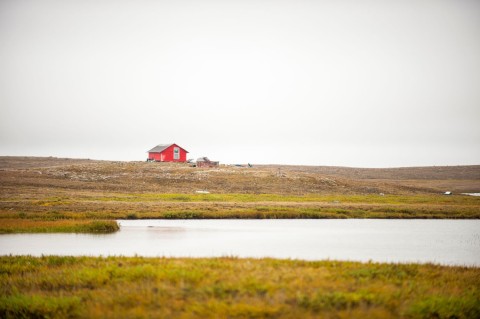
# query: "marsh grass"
[72,213]
[120,287]
[245,198]
[263,210]
[57,226]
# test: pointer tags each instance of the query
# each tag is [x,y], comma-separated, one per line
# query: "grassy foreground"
[120,287]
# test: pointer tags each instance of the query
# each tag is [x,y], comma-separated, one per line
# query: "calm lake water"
[451,242]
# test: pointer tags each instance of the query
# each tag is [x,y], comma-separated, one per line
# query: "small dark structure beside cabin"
[167,153]
[205,162]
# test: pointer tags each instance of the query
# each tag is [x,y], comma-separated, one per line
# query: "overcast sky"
[347,83]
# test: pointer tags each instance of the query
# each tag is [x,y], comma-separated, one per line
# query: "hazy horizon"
[335,83]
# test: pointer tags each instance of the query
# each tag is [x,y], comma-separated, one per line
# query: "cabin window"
[176,153]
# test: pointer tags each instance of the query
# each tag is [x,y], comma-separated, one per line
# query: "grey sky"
[353,83]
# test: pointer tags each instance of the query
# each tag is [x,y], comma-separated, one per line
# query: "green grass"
[248,198]
[92,208]
[57,226]
[121,287]
[260,211]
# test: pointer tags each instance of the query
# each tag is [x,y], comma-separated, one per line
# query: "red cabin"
[167,153]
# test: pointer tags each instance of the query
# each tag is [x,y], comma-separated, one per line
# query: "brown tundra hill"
[37,173]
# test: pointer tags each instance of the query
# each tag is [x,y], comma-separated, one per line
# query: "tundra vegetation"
[135,287]
[65,195]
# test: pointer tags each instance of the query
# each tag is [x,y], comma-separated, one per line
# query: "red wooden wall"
[167,155]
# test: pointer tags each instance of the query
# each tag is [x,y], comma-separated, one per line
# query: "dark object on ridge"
[205,162]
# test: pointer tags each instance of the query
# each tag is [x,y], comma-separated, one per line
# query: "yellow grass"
[56,226]
[119,287]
